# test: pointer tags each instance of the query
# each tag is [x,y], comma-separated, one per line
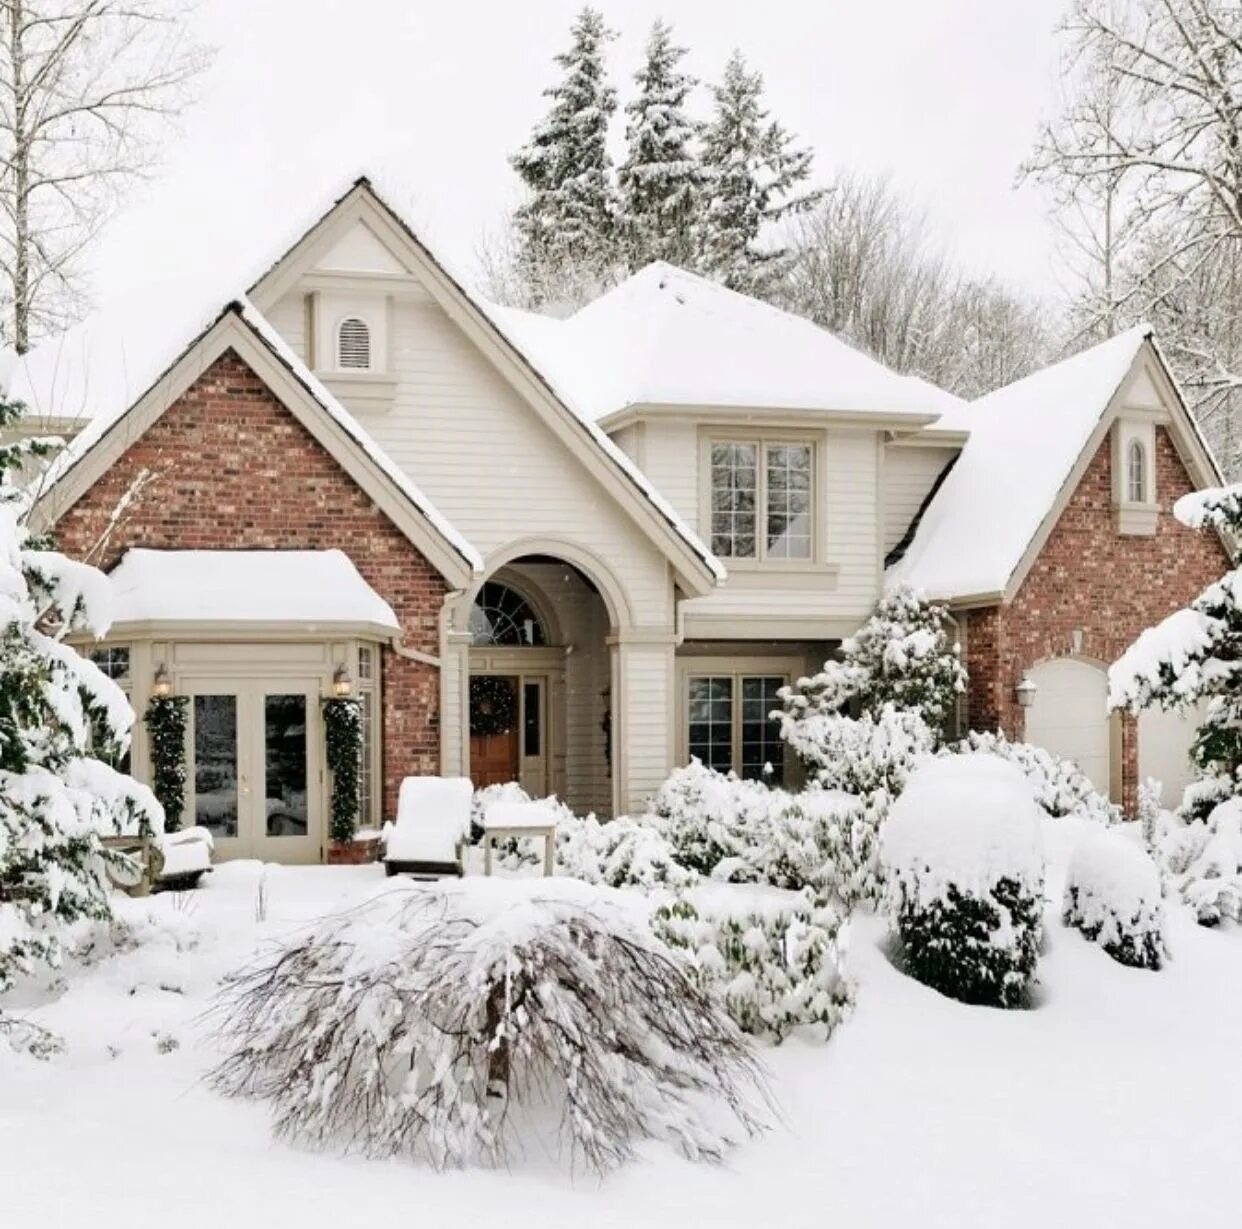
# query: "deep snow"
[1117,1101]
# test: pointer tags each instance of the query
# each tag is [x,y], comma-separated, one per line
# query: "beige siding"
[909,474]
[644,676]
[288,318]
[670,458]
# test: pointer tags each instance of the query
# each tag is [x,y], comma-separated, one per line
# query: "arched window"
[353,344]
[502,616]
[1136,473]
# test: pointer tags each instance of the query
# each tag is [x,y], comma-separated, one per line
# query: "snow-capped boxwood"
[777,960]
[963,856]
[1112,895]
[428,1022]
[1060,786]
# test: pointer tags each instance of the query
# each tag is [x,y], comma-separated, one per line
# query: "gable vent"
[353,344]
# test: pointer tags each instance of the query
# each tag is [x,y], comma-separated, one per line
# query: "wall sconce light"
[162,687]
[342,684]
[1076,639]
[1025,691]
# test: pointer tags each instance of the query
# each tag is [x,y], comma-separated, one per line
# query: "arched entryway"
[1070,717]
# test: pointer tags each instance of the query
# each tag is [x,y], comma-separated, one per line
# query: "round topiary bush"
[963,856]
[1112,895]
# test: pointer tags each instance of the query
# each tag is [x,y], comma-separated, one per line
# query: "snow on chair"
[433,823]
[510,819]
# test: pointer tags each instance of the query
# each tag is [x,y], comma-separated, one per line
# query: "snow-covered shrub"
[778,960]
[1112,894]
[900,657]
[963,854]
[1196,655]
[60,719]
[619,853]
[1202,860]
[731,829]
[1060,786]
[447,1022]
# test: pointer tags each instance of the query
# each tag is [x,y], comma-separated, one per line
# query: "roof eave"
[881,420]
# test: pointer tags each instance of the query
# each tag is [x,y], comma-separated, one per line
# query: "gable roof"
[667,337]
[126,387]
[1027,445]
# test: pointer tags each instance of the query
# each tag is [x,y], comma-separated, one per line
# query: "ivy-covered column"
[166,718]
[342,725]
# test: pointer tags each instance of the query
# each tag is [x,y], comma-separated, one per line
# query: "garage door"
[1070,716]
[1164,750]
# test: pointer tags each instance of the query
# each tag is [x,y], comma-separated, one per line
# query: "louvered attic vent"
[353,345]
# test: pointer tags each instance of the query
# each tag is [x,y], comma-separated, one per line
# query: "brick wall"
[1088,578]
[235,470]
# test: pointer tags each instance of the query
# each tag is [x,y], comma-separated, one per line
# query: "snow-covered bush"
[901,656]
[619,853]
[1202,861]
[778,960]
[445,1023]
[1112,894]
[1196,655]
[1060,786]
[731,829]
[60,720]
[963,854]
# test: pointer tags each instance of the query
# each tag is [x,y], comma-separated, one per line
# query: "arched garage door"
[1070,715]
[1164,750]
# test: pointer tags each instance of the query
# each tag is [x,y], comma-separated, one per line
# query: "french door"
[255,771]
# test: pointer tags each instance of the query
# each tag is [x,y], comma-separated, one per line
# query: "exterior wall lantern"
[1025,692]
[162,687]
[342,684]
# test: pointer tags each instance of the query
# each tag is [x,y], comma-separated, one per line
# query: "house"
[576,552]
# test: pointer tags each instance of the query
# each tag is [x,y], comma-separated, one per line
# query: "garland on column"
[342,725]
[166,719]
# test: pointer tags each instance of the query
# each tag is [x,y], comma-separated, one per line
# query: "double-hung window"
[729,724]
[762,501]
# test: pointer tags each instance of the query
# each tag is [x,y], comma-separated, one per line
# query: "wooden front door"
[495,726]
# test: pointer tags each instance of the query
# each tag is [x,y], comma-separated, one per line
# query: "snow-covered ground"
[1117,1101]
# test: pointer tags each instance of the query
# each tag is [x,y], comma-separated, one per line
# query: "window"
[502,616]
[1136,473]
[366,712]
[353,345]
[113,661]
[761,505]
[729,724]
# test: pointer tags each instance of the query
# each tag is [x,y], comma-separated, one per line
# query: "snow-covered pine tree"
[1196,655]
[661,178]
[754,176]
[901,656]
[61,718]
[569,222]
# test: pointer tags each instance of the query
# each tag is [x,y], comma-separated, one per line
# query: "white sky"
[944,94]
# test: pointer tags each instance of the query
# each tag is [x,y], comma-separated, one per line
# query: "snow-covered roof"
[668,337]
[1024,442]
[262,586]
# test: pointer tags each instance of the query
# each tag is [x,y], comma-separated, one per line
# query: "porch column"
[455,704]
[643,715]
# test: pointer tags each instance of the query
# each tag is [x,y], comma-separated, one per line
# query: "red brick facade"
[1089,578]
[235,470]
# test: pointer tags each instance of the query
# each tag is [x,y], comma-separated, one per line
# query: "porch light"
[162,687]
[1025,691]
[342,684]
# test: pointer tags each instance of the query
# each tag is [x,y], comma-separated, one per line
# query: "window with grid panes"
[762,504]
[729,727]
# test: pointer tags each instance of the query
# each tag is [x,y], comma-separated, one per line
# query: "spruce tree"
[660,180]
[569,221]
[62,721]
[754,174]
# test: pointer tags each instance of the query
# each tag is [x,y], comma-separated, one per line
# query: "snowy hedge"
[1112,895]
[743,831]
[449,1022]
[777,959]
[1060,786]
[963,854]
[1202,859]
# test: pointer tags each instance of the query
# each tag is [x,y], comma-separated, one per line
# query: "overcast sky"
[943,94]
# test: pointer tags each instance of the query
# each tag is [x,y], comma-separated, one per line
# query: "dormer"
[1135,497]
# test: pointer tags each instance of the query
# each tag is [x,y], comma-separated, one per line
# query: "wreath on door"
[493,705]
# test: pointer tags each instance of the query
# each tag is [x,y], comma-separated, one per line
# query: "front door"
[254,773]
[495,724]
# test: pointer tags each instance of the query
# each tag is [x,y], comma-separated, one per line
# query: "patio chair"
[187,858]
[432,826]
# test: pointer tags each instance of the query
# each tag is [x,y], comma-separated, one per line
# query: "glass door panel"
[216,764]
[285,766]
